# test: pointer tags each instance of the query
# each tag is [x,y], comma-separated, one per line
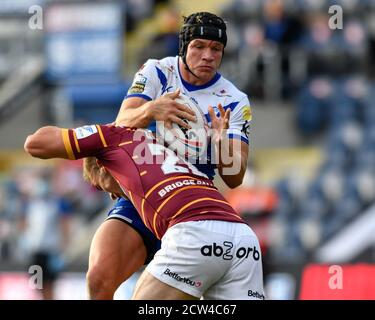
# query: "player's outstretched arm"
[47,142]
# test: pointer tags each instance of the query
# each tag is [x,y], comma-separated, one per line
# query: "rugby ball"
[188,143]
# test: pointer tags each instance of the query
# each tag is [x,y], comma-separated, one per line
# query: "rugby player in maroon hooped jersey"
[207,250]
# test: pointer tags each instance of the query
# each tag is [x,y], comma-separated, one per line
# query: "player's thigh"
[150,288]
[244,279]
[180,262]
[117,247]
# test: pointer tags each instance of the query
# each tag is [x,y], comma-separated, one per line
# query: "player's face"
[102,180]
[204,57]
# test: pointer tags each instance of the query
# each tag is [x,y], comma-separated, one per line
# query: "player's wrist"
[148,111]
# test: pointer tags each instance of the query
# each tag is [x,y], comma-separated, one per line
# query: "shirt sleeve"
[84,141]
[145,83]
[239,123]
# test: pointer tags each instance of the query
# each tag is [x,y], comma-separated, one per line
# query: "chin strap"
[187,67]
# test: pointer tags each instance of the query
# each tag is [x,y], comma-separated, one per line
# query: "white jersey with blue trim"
[158,77]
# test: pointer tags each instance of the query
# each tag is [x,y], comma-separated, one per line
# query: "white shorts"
[211,259]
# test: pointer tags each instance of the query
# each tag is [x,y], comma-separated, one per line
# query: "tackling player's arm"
[54,142]
[47,142]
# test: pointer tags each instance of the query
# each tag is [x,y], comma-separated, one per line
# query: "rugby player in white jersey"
[122,244]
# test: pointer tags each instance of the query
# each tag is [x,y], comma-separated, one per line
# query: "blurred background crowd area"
[309,192]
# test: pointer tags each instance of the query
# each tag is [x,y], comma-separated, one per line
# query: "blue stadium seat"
[369,107]
[337,154]
[313,103]
[342,109]
[365,156]
[350,204]
[314,205]
[358,90]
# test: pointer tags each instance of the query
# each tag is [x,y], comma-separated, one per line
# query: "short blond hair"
[90,168]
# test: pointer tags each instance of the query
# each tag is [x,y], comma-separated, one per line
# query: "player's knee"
[100,284]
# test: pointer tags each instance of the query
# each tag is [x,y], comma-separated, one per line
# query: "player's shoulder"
[163,63]
[230,89]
